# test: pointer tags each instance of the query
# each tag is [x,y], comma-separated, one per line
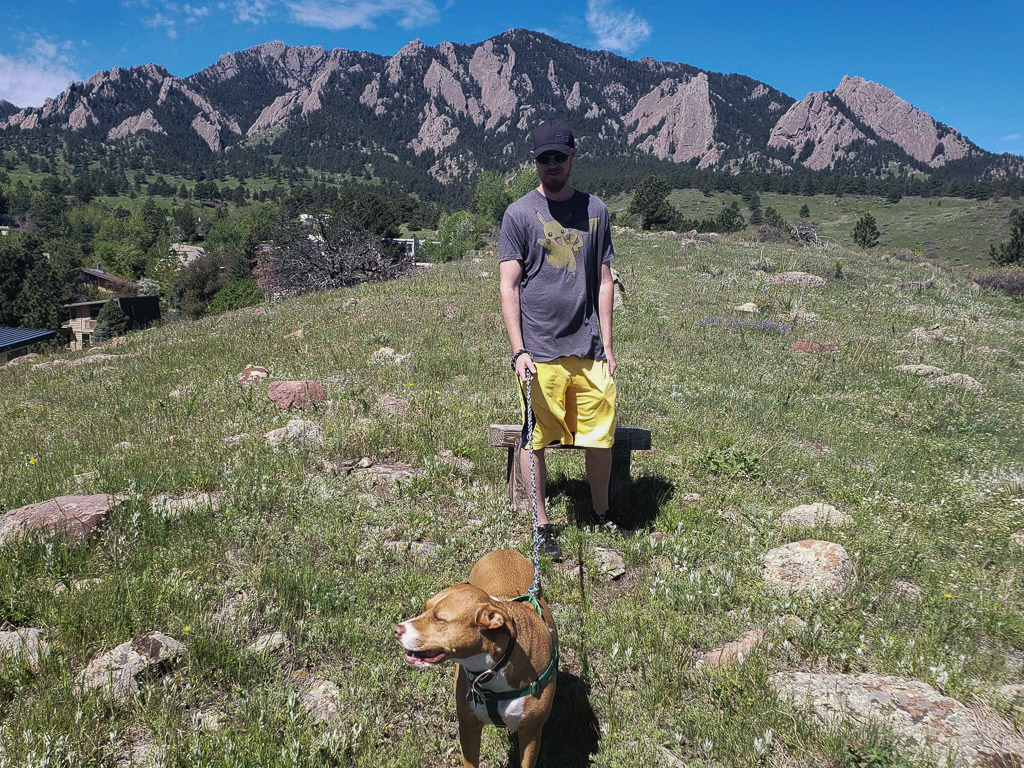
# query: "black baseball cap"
[553,135]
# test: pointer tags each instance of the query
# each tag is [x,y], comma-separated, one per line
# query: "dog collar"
[491,698]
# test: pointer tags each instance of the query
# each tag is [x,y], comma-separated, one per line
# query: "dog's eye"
[438,619]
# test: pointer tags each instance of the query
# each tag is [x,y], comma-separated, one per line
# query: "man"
[556,301]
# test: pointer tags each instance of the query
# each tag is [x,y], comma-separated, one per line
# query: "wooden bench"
[627,440]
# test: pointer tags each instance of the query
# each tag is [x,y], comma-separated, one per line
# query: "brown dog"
[505,651]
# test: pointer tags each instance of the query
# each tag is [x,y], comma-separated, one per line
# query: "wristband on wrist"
[517,353]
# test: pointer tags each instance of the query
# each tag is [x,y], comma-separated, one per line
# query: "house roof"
[16,337]
[101,275]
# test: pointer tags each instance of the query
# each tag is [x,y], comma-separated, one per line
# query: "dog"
[505,646]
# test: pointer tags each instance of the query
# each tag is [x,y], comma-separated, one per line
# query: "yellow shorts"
[573,404]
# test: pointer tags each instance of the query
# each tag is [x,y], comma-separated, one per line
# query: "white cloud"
[167,22]
[42,69]
[616,29]
[252,11]
[1013,137]
[345,14]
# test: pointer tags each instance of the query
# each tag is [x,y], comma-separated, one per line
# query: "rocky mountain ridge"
[453,108]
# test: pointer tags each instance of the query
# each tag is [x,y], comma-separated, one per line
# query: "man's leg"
[541,475]
[599,471]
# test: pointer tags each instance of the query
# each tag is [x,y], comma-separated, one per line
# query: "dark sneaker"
[548,545]
[602,521]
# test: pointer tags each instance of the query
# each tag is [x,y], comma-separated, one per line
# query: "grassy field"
[932,477]
[947,230]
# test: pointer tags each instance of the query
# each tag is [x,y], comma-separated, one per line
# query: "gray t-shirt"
[562,246]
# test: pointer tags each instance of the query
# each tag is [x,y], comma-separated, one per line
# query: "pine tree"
[111,322]
[865,232]
[805,212]
[1011,251]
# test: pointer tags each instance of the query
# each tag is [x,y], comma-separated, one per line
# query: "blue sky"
[958,62]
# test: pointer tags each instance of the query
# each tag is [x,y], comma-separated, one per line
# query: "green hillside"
[309,543]
[951,231]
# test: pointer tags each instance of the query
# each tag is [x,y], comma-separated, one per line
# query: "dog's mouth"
[424,658]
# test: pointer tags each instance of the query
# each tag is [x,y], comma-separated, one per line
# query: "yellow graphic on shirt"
[563,245]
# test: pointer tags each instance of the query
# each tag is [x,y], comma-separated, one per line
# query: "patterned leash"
[533,484]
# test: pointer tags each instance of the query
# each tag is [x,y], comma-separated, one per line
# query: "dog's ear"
[493,616]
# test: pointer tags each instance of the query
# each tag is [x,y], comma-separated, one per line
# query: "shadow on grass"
[648,494]
[571,734]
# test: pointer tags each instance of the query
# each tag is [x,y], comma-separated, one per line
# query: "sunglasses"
[551,157]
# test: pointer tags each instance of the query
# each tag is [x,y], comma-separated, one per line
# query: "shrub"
[1008,280]
[111,322]
[337,253]
[199,282]
[236,295]
[458,234]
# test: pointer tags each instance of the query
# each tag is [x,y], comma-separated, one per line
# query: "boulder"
[270,642]
[749,308]
[814,514]
[387,355]
[72,516]
[920,717]
[393,404]
[121,671]
[818,567]
[295,394]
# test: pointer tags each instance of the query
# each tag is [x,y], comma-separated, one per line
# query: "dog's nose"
[398,629]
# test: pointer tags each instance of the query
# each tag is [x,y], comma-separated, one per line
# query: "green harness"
[491,698]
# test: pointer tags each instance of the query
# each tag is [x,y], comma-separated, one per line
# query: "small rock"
[322,702]
[957,381]
[393,404]
[72,516]
[921,370]
[610,563]
[252,375]
[798,278]
[814,514]
[25,644]
[85,477]
[305,434]
[210,720]
[749,308]
[296,334]
[270,642]
[931,333]
[792,621]
[420,548]
[230,613]
[260,312]
[692,498]
[1017,540]
[904,590]
[173,507]
[813,347]
[387,355]
[735,651]
[349,303]
[817,567]
[121,671]
[657,537]
[295,394]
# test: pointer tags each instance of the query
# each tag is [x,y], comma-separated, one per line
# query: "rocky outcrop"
[815,132]
[898,121]
[493,69]
[132,125]
[675,121]
[437,132]
[810,566]
[921,717]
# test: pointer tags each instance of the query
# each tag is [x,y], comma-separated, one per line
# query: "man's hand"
[612,364]
[525,367]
